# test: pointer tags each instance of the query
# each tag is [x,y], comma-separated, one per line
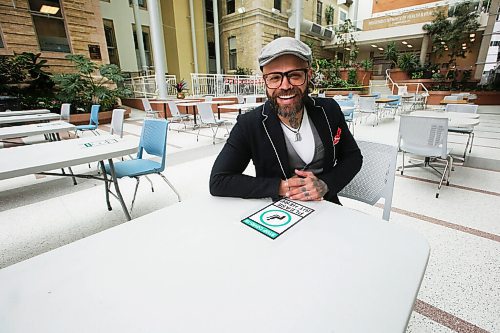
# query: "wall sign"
[95,52]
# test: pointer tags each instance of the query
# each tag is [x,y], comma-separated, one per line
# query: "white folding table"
[44,157]
[41,117]
[243,106]
[194,267]
[23,112]
[35,129]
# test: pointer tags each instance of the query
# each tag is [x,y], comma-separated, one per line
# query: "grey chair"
[463,108]
[375,180]
[149,110]
[208,119]
[426,137]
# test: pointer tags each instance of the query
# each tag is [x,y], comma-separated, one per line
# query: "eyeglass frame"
[283,74]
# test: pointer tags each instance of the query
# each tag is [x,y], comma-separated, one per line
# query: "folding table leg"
[117,189]
[101,163]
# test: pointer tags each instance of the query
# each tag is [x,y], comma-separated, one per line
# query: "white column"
[158,48]
[216,33]
[423,49]
[298,18]
[193,36]
[138,32]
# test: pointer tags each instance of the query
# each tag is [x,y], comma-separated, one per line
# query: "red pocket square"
[336,139]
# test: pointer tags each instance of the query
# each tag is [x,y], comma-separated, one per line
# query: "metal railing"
[420,89]
[226,85]
[145,86]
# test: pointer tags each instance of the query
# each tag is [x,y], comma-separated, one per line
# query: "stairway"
[380,87]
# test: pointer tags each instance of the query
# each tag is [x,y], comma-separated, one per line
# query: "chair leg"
[442,177]
[471,142]
[135,193]
[151,183]
[171,186]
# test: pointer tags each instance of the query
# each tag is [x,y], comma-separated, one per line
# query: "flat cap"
[284,45]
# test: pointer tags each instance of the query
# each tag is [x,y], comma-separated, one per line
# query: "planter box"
[483,97]
[398,75]
[332,92]
[104,117]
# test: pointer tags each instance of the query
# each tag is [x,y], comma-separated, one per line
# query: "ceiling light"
[241,10]
[381,48]
[404,42]
[409,45]
[473,39]
[464,47]
[472,35]
[49,9]
[443,43]
[373,45]
[348,49]
[464,44]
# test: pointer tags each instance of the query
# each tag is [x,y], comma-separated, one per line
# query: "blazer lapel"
[275,131]
[318,118]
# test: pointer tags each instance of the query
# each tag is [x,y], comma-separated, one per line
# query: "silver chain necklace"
[298,137]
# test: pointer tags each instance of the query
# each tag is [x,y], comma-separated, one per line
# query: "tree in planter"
[82,89]
[344,37]
[408,62]
[448,34]
[391,53]
[366,65]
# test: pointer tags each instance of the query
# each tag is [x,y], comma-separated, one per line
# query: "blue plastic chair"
[393,106]
[94,121]
[348,113]
[154,142]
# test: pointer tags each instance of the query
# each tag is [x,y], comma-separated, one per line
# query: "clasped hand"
[304,186]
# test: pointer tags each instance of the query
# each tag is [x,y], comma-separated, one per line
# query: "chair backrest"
[146,104]
[377,94]
[395,102]
[348,113]
[241,99]
[402,90]
[345,102]
[154,139]
[209,98]
[65,111]
[424,136]
[251,99]
[94,114]
[174,110]
[375,180]
[117,122]
[323,95]
[366,103]
[464,108]
[206,114]
[452,98]
[350,95]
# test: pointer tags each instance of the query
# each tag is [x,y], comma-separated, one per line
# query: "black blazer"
[258,136]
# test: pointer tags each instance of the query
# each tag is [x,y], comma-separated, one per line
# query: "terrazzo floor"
[461,288]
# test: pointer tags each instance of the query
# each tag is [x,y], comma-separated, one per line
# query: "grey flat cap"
[284,45]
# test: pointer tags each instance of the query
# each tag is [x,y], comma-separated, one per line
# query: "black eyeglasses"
[296,77]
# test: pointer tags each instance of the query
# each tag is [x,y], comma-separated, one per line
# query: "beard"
[292,112]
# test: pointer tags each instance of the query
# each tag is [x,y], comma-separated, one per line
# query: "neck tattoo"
[298,137]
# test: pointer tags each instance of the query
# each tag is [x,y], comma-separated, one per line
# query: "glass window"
[109,33]
[1,40]
[319,11]
[277,5]
[142,3]
[232,53]
[147,45]
[49,25]
[342,16]
[230,7]
[209,11]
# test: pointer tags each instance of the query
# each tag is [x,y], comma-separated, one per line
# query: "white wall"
[123,17]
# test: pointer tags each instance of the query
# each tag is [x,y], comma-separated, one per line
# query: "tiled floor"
[461,288]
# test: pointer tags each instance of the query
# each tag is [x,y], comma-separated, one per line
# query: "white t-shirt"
[305,147]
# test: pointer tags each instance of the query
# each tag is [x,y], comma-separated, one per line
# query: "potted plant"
[180,87]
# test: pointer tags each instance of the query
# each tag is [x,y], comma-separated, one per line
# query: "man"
[301,147]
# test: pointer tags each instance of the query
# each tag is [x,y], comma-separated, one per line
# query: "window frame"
[144,4]
[232,53]
[233,6]
[319,12]
[278,3]
[147,42]
[115,46]
[341,11]
[34,13]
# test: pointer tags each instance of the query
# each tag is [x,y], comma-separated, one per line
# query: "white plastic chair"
[149,110]
[207,119]
[117,119]
[375,180]
[322,95]
[250,99]
[209,98]
[177,116]
[427,137]
[452,98]
[463,108]
[402,90]
[368,105]
[65,112]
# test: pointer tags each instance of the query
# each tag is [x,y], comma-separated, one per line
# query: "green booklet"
[276,218]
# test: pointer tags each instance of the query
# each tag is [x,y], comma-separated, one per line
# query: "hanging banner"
[411,17]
